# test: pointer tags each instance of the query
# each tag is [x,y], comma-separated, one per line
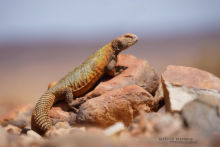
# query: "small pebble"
[114,129]
[33,134]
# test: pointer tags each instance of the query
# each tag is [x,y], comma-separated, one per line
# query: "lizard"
[79,81]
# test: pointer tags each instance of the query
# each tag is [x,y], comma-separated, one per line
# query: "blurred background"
[41,41]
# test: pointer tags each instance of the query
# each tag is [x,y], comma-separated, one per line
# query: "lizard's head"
[122,42]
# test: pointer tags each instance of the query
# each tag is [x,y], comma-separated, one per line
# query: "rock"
[184,84]
[202,115]
[64,125]
[114,129]
[59,113]
[12,129]
[20,116]
[138,72]
[162,110]
[33,134]
[117,105]
[159,96]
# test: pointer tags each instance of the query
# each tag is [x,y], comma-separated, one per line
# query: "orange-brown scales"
[80,81]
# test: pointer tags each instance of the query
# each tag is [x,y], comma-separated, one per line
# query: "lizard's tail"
[40,121]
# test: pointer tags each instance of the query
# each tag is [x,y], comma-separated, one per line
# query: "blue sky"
[37,19]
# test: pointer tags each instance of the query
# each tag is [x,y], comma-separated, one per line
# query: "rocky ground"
[136,108]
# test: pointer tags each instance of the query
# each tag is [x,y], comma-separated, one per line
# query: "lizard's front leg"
[110,68]
[113,70]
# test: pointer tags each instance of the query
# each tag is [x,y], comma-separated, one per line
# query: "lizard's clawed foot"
[120,69]
[76,103]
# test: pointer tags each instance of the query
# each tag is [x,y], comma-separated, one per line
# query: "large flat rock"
[122,104]
[185,84]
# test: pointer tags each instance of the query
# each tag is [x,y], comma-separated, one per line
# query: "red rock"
[117,105]
[159,97]
[191,77]
[139,72]
[184,84]
[59,112]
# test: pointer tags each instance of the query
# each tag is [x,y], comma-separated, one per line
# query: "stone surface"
[19,116]
[184,84]
[114,129]
[138,72]
[64,125]
[33,134]
[202,115]
[117,105]
[159,96]
[60,113]
[191,77]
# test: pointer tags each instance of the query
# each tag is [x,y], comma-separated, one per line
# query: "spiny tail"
[40,121]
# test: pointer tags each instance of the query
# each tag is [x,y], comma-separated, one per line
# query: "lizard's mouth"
[132,39]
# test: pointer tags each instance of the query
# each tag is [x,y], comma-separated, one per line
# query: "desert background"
[42,41]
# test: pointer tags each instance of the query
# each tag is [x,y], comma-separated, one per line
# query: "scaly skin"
[79,81]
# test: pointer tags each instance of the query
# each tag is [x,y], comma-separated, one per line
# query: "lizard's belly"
[85,88]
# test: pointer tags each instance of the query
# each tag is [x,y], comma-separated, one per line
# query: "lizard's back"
[83,77]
